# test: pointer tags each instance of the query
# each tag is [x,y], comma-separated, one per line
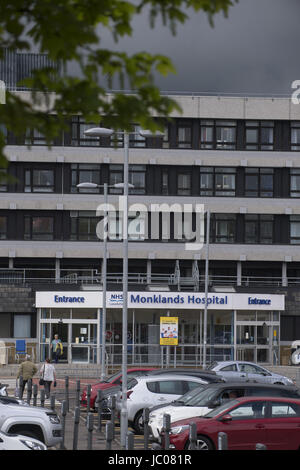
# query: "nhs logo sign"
[115,299]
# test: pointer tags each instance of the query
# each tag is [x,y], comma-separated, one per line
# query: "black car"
[208,376]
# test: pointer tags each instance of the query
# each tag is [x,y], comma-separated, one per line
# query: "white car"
[147,392]
[19,442]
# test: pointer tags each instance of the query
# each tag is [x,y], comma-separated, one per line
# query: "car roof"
[154,378]
[234,384]
[181,370]
[282,399]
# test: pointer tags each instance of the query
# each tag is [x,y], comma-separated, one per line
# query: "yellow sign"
[169,331]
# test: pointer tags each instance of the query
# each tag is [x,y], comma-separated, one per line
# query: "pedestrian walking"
[48,375]
[27,370]
[57,348]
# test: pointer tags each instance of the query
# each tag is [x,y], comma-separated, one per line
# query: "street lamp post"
[103,132]
[103,275]
[206,288]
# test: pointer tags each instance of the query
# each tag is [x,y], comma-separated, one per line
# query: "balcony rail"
[33,276]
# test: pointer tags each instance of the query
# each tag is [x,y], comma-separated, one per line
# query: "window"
[136,227]
[39,181]
[218,134]
[137,177]
[223,228]
[34,137]
[38,228]
[115,177]
[81,173]
[165,183]
[295,135]
[295,182]
[259,228]
[184,136]
[184,184]
[22,326]
[295,229]
[259,182]
[135,138]
[166,137]
[3,183]
[285,410]
[3,228]
[83,225]
[250,410]
[230,368]
[171,387]
[78,126]
[218,181]
[259,135]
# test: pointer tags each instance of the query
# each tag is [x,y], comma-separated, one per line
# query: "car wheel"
[202,443]
[138,424]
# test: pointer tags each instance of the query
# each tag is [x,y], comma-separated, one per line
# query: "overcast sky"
[255,50]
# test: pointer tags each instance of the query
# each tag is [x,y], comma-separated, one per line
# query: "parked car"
[199,402]
[19,442]
[144,392]
[207,375]
[114,380]
[34,422]
[242,370]
[246,421]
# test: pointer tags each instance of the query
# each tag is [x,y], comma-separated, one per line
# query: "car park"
[145,392]
[34,422]
[200,402]
[246,421]
[242,370]
[114,380]
[19,442]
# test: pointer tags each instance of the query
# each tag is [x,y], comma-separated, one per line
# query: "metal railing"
[29,276]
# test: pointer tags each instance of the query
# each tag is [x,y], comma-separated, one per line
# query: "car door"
[247,428]
[283,426]
[253,372]
[230,372]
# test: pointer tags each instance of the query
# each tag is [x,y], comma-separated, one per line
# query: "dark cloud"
[254,50]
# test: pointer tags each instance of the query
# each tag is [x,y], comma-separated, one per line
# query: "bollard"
[42,396]
[222,441]
[113,413]
[90,428]
[129,445]
[88,398]
[77,399]
[29,391]
[76,427]
[63,423]
[260,447]
[67,392]
[108,434]
[193,436]
[35,394]
[146,427]
[99,403]
[52,402]
[167,429]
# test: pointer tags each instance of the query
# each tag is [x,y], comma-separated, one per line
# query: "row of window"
[145,179]
[183,134]
[224,228]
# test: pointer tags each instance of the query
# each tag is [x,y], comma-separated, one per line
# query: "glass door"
[84,342]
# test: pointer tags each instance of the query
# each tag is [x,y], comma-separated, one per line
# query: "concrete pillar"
[239,273]
[284,279]
[57,270]
[149,271]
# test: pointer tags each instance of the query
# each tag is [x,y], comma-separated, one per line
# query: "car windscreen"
[211,366]
[198,397]
[112,377]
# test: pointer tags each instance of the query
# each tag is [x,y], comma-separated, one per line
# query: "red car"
[113,381]
[247,421]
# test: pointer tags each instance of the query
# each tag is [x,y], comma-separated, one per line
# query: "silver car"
[243,370]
